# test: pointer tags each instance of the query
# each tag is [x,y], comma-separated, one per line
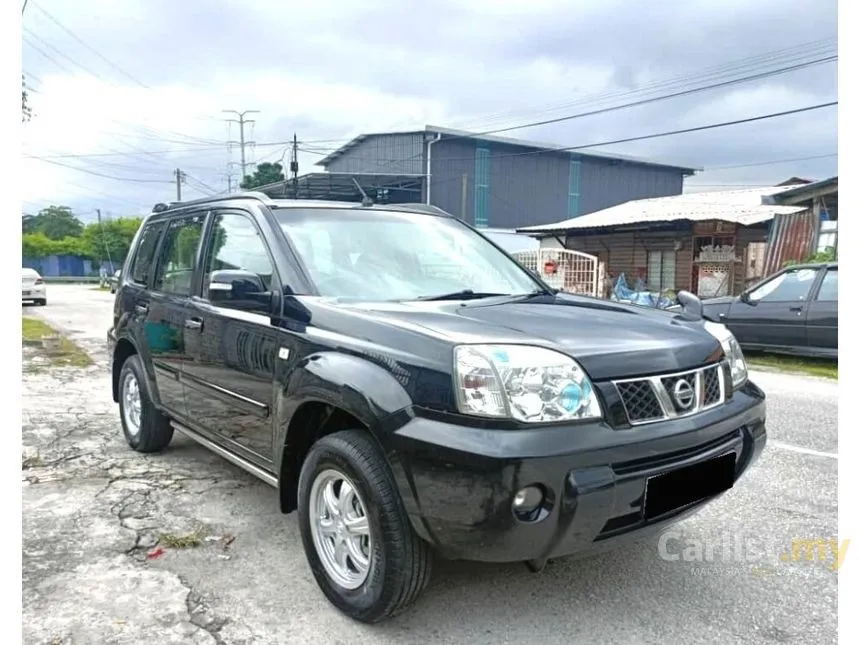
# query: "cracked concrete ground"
[94,509]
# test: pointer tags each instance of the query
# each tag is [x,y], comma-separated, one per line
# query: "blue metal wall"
[524,189]
[605,183]
[54,266]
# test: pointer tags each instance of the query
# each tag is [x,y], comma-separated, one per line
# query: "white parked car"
[33,287]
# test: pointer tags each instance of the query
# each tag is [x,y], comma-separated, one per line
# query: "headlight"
[529,384]
[732,349]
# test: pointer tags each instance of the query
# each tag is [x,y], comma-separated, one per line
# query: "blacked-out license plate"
[676,489]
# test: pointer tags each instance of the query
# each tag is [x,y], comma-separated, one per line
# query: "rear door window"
[144,257]
[178,255]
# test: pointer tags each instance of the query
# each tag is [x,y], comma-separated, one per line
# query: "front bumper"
[458,483]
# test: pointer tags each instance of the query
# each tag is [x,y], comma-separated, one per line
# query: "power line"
[48,56]
[719,72]
[656,135]
[98,174]
[773,162]
[200,184]
[656,99]
[87,46]
[638,138]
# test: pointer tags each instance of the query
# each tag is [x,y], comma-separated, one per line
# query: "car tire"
[145,428]
[398,563]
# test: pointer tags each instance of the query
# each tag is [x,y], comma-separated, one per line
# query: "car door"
[822,321]
[165,310]
[229,375]
[773,314]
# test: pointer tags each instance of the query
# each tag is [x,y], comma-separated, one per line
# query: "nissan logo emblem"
[684,394]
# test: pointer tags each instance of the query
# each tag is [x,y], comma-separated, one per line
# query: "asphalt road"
[93,509]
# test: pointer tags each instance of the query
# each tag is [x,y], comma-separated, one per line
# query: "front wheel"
[358,540]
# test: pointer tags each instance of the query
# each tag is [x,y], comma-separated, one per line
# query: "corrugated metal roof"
[802,189]
[741,206]
[791,238]
[464,134]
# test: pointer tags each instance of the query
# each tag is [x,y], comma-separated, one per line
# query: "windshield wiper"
[464,294]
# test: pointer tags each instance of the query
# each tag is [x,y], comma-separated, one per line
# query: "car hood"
[610,340]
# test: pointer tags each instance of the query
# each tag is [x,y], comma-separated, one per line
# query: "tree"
[26,110]
[109,239]
[266,173]
[38,245]
[54,222]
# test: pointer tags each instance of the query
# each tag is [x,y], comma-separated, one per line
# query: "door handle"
[798,308]
[141,309]
[194,323]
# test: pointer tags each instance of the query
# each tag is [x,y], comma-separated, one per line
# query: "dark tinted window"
[791,286]
[829,290]
[144,257]
[178,253]
[236,244]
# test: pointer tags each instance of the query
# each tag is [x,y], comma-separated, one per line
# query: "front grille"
[640,401]
[667,396]
[713,391]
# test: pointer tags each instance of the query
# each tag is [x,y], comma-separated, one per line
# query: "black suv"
[411,390]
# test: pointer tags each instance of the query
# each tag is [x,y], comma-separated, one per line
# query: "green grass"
[67,354]
[189,540]
[99,288]
[812,366]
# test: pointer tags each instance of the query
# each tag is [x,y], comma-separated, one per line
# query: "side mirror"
[745,298]
[239,289]
[691,305]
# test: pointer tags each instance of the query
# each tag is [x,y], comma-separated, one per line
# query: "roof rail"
[413,207]
[251,194]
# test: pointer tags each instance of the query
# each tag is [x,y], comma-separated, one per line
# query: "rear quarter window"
[144,255]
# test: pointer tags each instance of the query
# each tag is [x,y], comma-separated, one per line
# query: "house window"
[661,270]
[482,187]
[573,189]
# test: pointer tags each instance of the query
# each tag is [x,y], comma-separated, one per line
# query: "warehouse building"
[488,181]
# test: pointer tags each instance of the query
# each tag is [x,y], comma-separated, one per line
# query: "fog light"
[527,499]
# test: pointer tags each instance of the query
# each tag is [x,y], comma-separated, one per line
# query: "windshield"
[384,255]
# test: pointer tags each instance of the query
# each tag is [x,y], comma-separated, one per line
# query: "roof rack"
[413,207]
[160,207]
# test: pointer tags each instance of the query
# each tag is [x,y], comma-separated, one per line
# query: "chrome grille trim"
[640,409]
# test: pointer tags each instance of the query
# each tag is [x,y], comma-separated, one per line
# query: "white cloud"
[335,70]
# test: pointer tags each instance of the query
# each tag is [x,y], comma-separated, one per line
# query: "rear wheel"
[358,540]
[145,428]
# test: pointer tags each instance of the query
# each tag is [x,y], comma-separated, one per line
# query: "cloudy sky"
[124,92]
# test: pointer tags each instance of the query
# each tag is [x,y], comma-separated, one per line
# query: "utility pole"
[242,121]
[104,242]
[294,166]
[180,179]
[229,177]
